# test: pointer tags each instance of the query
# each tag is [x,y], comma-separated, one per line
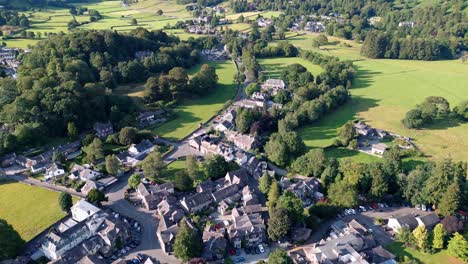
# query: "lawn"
[170,171]
[191,112]
[273,67]
[384,90]
[29,209]
[354,155]
[399,250]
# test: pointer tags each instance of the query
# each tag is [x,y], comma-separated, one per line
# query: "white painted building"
[83,210]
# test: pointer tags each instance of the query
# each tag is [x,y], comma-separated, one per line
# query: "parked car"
[239,259]
[260,247]
[362,208]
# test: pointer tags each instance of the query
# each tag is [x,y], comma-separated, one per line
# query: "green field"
[114,17]
[399,250]
[191,112]
[169,172]
[30,210]
[272,67]
[384,90]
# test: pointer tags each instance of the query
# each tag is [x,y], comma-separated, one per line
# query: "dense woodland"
[439,31]
[12,18]
[69,79]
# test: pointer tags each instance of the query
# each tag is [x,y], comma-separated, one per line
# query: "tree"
[96,196]
[404,235]
[414,119]
[281,148]
[343,194]
[183,182]
[159,12]
[347,133]
[310,164]
[421,237]
[321,40]
[112,164]
[452,224]
[450,203]
[293,206]
[94,151]
[215,167]
[244,119]
[11,242]
[127,135]
[192,168]
[273,194]
[461,110]
[264,183]
[72,130]
[153,165]
[439,237]
[187,244]
[252,88]
[134,22]
[458,247]
[278,224]
[279,256]
[65,202]
[134,180]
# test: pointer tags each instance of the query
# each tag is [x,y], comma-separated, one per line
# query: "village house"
[273,86]
[103,130]
[149,118]
[243,141]
[8,160]
[197,202]
[70,150]
[379,148]
[82,210]
[83,173]
[57,243]
[258,96]
[363,129]
[429,221]
[249,196]
[169,215]
[249,104]
[306,189]
[39,167]
[149,198]
[238,177]
[247,229]
[214,243]
[229,192]
[54,171]
[25,161]
[353,243]
[405,221]
[264,22]
[144,147]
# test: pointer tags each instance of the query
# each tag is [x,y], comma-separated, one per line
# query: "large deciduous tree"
[65,202]
[187,244]
[153,165]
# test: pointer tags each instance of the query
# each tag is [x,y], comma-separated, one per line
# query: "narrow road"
[46,185]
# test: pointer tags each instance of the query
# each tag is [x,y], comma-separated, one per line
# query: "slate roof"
[225,192]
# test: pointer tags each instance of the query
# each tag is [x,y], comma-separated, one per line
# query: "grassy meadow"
[399,250]
[384,90]
[273,67]
[29,209]
[191,112]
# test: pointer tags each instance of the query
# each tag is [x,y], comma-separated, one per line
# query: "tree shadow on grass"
[363,78]
[399,250]
[11,242]
[442,124]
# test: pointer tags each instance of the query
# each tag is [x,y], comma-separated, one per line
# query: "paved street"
[46,185]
